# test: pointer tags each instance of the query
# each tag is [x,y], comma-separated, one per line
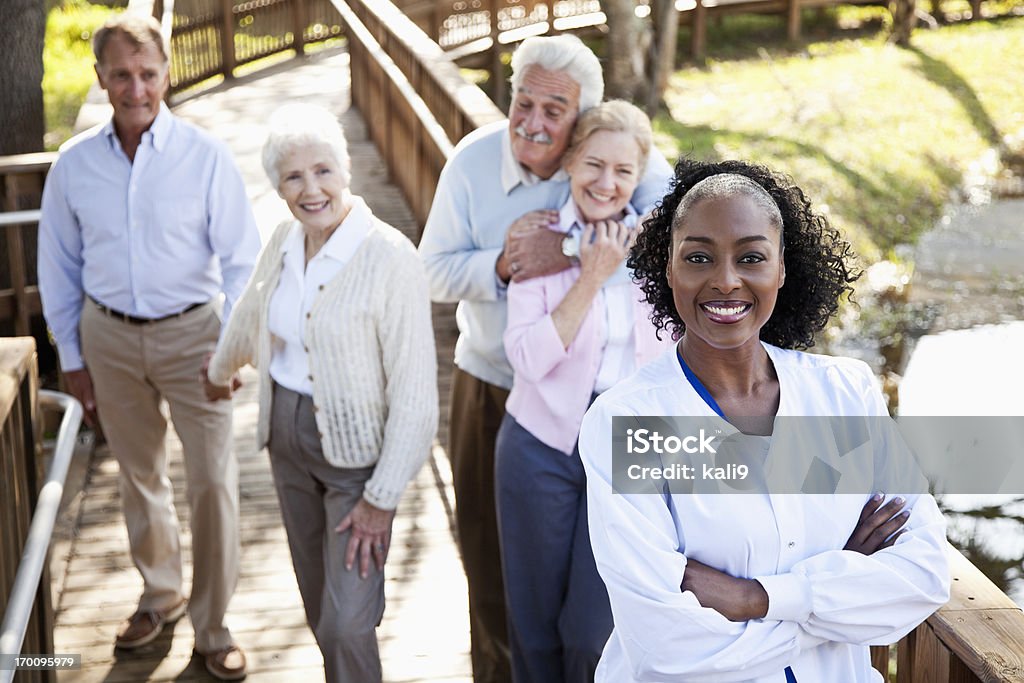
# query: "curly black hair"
[819,262]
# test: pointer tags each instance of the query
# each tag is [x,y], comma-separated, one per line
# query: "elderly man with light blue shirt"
[488,225]
[145,221]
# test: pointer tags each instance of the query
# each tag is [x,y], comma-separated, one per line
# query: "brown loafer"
[144,626]
[227,664]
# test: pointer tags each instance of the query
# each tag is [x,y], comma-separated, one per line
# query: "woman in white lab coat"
[750,586]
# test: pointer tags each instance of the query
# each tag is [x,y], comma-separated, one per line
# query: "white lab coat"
[826,605]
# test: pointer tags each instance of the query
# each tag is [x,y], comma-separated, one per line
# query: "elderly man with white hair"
[488,225]
[336,318]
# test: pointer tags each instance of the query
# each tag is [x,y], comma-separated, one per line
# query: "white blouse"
[297,290]
[826,605]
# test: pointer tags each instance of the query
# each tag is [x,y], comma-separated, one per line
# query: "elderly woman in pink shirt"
[570,336]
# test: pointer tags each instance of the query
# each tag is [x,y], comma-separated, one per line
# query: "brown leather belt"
[135,320]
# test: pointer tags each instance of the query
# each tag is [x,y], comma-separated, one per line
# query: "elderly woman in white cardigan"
[337,320]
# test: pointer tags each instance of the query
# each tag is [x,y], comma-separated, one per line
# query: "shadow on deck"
[425,632]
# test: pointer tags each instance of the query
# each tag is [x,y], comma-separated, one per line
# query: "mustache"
[540,137]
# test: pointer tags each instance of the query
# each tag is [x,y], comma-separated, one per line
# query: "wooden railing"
[214,37]
[21,188]
[453,24]
[416,104]
[977,637]
[21,474]
[465,27]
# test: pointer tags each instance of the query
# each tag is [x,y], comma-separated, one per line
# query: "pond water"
[976,372]
[953,344]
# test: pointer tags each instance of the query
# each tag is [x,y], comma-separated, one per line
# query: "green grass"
[879,136]
[68,64]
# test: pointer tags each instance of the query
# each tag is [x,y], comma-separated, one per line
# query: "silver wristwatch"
[571,247]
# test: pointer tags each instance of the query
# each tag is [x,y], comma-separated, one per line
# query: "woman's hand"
[371,535]
[216,392]
[603,247]
[735,599]
[746,599]
[879,525]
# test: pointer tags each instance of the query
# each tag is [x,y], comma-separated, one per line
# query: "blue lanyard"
[698,387]
[703,392]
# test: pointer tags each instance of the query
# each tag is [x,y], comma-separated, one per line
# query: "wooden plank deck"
[425,632]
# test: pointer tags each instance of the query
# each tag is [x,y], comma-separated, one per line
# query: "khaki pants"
[133,367]
[477,409]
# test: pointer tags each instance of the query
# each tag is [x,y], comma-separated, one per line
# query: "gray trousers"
[342,609]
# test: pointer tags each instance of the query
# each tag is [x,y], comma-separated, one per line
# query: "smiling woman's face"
[313,185]
[603,174]
[725,270]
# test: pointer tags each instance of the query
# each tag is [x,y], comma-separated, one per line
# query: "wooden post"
[975,10]
[227,38]
[16,260]
[434,21]
[21,192]
[793,20]
[698,30]
[497,71]
[21,465]
[299,22]
[551,15]
[880,660]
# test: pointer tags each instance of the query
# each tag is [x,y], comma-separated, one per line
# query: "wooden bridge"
[418,107]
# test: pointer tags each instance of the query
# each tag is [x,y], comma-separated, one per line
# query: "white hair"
[299,125]
[565,53]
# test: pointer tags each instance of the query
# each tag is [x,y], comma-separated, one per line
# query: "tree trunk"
[625,51]
[663,52]
[904,17]
[22,27]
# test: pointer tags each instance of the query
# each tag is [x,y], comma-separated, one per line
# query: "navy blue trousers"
[558,612]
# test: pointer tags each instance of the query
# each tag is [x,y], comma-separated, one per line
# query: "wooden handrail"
[977,636]
[430,71]
[37,162]
[21,474]
[416,104]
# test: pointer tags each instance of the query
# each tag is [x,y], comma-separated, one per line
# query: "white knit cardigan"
[371,356]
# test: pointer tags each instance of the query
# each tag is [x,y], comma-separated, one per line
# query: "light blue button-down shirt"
[149,237]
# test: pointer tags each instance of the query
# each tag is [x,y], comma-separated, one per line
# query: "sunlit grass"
[879,135]
[68,64]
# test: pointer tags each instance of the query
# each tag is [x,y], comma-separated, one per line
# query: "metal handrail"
[30,570]
[19,217]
